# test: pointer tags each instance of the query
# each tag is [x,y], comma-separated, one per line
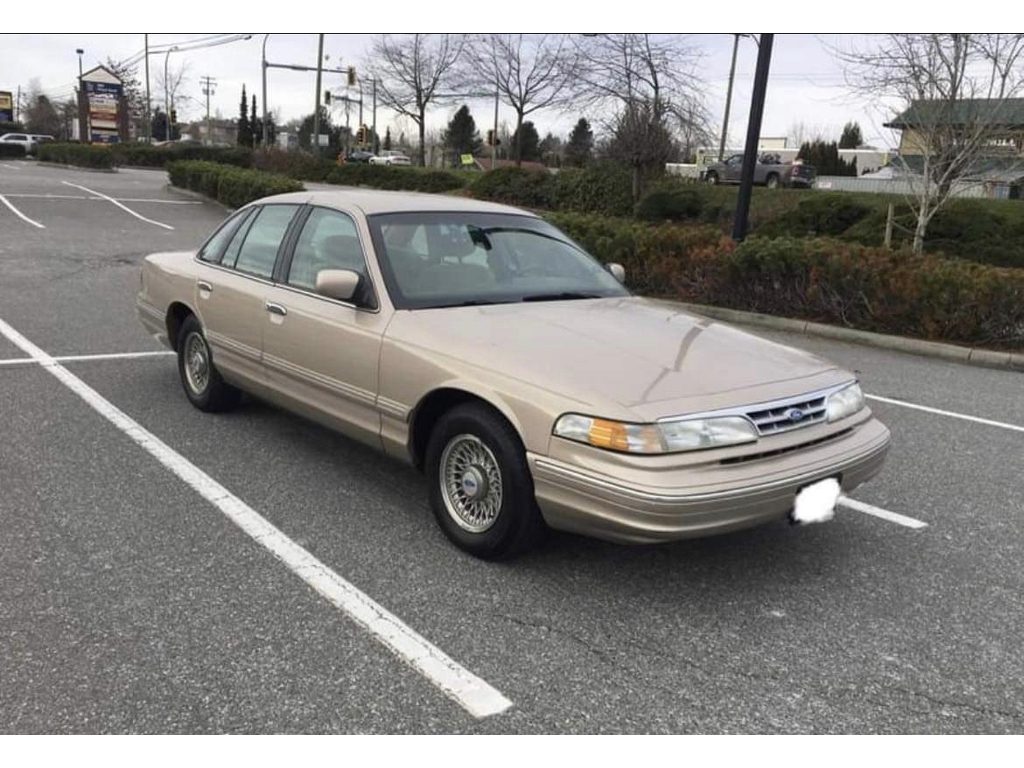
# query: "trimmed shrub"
[230,185]
[84,155]
[820,279]
[669,204]
[604,188]
[826,213]
[10,149]
[515,186]
[158,157]
[297,164]
[391,177]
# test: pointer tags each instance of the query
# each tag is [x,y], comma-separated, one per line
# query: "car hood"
[619,357]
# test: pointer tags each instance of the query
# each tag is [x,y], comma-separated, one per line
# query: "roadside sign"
[6,106]
[468,159]
[323,139]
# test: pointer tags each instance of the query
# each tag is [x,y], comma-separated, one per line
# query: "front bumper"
[692,502]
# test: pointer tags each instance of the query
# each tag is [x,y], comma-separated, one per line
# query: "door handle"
[276,309]
[204,286]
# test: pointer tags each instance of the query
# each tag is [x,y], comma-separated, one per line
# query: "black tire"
[215,395]
[711,177]
[772,181]
[518,524]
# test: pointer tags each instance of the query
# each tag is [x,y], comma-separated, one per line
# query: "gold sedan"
[481,344]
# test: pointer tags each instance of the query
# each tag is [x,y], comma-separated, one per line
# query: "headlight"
[664,437]
[846,402]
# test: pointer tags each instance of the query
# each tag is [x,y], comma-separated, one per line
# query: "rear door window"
[263,240]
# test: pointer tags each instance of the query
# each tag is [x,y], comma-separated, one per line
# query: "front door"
[319,353]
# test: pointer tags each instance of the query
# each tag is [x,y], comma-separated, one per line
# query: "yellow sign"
[467,160]
[6,102]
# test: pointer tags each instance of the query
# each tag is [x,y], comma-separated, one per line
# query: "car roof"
[373,201]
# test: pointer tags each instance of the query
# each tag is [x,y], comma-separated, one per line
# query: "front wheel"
[202,382]
[772,182]
[481,490]
[711,177]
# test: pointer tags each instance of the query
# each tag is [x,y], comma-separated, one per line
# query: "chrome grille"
[781,416]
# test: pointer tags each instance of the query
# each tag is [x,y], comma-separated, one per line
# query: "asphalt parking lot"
[130,603]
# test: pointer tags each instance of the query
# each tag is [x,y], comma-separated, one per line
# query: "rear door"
[232,284]
[321,354]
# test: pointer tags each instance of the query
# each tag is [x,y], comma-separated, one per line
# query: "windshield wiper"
[563,296]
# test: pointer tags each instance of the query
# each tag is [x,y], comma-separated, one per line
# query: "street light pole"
[728,97]
[79,51]
[167,97]
[149,119]
[265,88]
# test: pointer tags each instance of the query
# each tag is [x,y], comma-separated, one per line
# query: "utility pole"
[764,60]
[149,119]
[17,106]
[494,140]
[728,97]
[376,141]
[316,112]
[209,84]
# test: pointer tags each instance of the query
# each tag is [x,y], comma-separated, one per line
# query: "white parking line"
[952,414]
[19,214]
[475,695]
[79,358]
[9,167]
[119,205]
[885,514]
[93,197]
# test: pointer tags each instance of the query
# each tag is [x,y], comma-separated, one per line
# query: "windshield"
[460,259]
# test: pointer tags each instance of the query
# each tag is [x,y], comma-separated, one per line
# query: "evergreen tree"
[255,124]
[387,138]
[580,148]
[528,141]
[461,135]
[244,126]
[851,138]
[824,157]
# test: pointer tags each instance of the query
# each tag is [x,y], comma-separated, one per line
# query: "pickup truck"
[769,171]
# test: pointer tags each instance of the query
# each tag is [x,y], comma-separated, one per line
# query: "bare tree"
[529,72]
[954,90]
[413,72]
[649,85]
[173,89]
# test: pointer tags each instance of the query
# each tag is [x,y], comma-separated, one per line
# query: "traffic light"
[352,77]
[363,135]
[174,115]
[492,140]
[327,98]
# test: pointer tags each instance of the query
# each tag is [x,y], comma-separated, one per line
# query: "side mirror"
[618,272]
[338,284]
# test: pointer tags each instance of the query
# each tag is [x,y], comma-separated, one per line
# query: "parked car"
[769,171]
[23,139]
[41,138]
[479,343]
[357,156]
[390,157]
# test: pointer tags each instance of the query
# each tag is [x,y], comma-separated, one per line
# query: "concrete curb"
[198,196]
[47,164]
[982,358]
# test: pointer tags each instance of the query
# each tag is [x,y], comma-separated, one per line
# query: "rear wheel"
[772,182]
[481,490]
[202,382]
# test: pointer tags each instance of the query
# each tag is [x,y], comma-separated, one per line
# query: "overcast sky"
[806,83]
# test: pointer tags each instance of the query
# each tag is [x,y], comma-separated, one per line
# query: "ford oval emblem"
[794,414]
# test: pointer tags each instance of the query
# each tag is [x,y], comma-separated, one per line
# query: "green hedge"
[819,279]
[10,149]
[158,157]
[600,188]
[669,205]
[228,184]
[392,177]
[297,164]
[84,155]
